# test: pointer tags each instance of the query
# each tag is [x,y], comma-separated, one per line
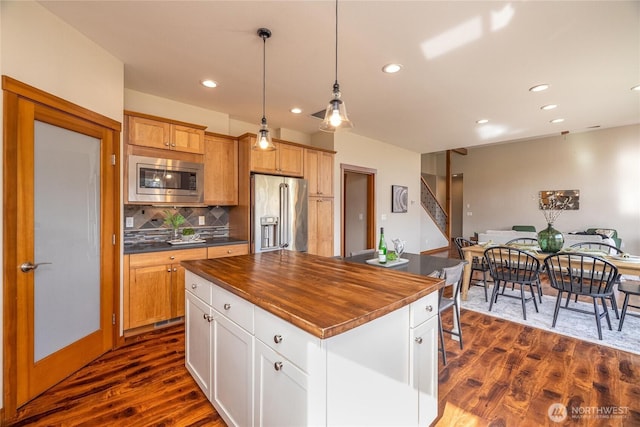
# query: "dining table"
[626,264]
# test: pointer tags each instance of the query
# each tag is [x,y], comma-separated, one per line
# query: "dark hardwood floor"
[507,375]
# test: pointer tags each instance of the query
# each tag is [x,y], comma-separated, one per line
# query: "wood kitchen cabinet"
[286,159]
[165,134]
[318,171]
[320,226]
[154,286]
[220,170]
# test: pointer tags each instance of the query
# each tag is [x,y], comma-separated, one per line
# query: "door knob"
[28,266]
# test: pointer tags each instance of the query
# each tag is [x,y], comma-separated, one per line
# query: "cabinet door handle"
[175,269]
[166,143]
[173,145]
[168,270]
[277,366]
[227,306]
[277,339]
[429,308]
[194,286]
[228,251]
[172,257]
[207,317]
[419,340]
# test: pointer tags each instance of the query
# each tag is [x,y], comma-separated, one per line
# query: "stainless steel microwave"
[157,180]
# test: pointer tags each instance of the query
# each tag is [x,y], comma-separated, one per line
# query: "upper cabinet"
[286,159]
[220,170]
[318,171]
[148,131]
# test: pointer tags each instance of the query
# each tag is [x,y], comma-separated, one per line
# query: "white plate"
[393,263]
[185,242]
[630,258]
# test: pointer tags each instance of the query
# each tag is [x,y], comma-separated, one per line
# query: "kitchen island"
[287,338]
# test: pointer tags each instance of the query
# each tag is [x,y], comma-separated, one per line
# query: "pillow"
[605,232]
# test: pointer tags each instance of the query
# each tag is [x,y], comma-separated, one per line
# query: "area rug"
[577,325]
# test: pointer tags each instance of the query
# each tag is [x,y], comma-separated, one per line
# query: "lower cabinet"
[154,286]
[281,390]
[259,370]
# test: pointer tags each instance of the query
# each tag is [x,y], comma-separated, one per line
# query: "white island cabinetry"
[381,372]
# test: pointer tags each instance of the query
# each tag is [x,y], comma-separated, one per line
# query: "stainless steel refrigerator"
[278,213]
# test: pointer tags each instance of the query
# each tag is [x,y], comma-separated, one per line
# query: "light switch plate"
[201,220]
[129,222]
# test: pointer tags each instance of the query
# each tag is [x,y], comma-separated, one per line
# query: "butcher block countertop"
[323,296]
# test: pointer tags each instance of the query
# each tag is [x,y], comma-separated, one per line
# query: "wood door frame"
[13,91]
[371,203]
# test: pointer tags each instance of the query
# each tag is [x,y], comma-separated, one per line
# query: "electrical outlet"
[201,220]
[129,222]
[383,217]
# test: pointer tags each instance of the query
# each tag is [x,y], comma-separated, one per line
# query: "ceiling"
[462,61]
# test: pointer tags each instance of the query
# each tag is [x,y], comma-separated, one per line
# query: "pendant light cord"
[264,73]
[336,82]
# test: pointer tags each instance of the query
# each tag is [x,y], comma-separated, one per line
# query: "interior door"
[60,245]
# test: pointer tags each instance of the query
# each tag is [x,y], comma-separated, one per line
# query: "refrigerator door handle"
[284,215]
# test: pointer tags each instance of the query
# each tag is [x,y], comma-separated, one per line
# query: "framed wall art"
[399,198]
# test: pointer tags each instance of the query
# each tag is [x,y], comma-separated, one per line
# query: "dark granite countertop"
[144,247]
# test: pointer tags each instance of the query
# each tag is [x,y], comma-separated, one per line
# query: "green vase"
[550,240]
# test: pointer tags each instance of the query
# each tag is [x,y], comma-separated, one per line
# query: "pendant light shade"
[263,139]
[335,117]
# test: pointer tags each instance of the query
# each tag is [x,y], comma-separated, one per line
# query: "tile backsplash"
[148,222]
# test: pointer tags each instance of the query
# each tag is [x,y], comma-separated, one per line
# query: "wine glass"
[398,246]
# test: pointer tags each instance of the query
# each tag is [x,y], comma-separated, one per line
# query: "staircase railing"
[433,207]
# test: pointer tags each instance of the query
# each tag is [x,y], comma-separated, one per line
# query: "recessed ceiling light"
[482,121]
[392,68]
[549,107]
[636,88]
[539,88]
[557,121]
[296,110]
[209,83]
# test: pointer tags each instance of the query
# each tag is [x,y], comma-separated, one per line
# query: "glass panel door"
[66,237]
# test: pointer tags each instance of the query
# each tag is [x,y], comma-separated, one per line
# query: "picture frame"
[549,199]
[399,198]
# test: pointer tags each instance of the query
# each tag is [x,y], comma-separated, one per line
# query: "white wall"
[395,166]
[42,51]
[501,182]
[150,104]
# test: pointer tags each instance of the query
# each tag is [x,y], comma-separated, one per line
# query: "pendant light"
[336,115]
[263,140]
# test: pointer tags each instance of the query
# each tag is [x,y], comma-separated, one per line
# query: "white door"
[425,369]
[281,390]
[199,332]
[232,379]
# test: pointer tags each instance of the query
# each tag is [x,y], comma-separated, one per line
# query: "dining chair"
[583,275]
[511,265]
[605,248]
[477,264]
[523,241]
[452,277]
[362,252]
[628,288]
[527,241]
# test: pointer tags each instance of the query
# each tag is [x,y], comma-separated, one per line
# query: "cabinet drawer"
[288,340]
[198,286]
[423,309]
[233,307]
[227,250]
[166,257]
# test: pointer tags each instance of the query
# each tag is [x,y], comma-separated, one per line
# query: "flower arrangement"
[173,219]
[553,206]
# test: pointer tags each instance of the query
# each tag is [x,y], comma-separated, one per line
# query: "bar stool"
[629,287]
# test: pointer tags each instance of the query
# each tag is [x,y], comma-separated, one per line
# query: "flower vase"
[550,240]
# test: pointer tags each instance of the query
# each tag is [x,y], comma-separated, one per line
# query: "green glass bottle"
[382,248]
